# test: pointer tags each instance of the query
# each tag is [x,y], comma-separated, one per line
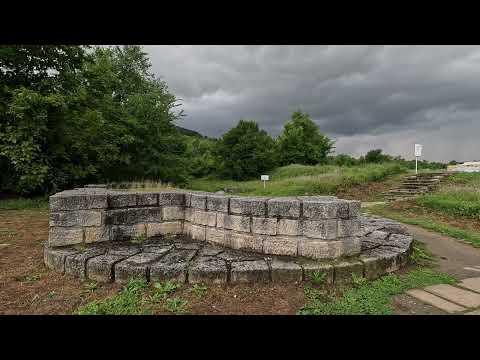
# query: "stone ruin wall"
[318,227]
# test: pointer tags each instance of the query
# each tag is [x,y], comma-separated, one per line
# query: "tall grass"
[459,197]
[294,180]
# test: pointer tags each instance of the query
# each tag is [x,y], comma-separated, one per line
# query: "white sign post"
[264,178]
[418,153]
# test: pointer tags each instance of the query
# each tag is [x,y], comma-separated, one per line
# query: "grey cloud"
[363,96]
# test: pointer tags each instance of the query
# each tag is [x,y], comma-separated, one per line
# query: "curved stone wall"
[318,227]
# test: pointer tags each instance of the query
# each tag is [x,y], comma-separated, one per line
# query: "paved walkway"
[457,259]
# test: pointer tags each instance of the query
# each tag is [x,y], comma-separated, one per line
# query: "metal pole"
[264,184]
[416,164]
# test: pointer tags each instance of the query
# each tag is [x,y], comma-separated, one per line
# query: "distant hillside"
[189,132]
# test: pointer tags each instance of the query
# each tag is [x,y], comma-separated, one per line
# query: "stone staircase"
[416,184]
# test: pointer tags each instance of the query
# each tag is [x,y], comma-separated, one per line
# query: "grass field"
[295,180]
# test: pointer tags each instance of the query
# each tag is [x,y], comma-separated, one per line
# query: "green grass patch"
[40,203]
[469,236]
[370,298]
[296,180]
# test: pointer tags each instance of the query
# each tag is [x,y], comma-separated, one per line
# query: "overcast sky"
[364,97]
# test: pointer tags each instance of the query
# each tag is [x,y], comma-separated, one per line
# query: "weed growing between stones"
[318,277]
[369,298]
[162,290]
[176,305]
[199,290]
[90,286]
[138,239]
[421,255]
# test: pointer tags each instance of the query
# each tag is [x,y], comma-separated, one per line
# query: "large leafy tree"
[301,142]
[245,151]
[71,115]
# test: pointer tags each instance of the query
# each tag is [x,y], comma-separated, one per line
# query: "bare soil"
[28,287]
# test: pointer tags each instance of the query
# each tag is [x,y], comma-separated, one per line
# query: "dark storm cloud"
[363,96]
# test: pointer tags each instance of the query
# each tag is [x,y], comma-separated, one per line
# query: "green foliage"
[128,302]
[177,305]
[138,239]
[370,298]
[376,156]
[162,290]
[199,290]
[421,255]
[200,156]
[245,152]
[318,277]
[86,116]
[301,142]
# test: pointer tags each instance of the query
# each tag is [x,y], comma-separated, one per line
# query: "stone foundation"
[318,227]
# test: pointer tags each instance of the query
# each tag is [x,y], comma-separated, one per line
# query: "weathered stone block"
[285,271]
[215,235]
[147,199]
[343,209]
[60,236]
[157,247]
[320,209]
[126,232]
[122,200]
[198,201]
[100,268]
[207,270]
[97,234]
[76,218]
[134,216]
[55,258]
[347,228]
[311,269]
[201,217]
[221,219]
[218,203]
[354,208]
[265,226]
[75,200]
[351,246]
[248,206]
[173,213]
[280,245]
[319,249]
[172,266]
[320,229]
[284,207]
[159,229]
[289,227]
[187,229]
[171,199]
[188,214]
[198,232]
[250,272]
[244,241]
[346,270]
[135,267]
[75,263]
[237,223]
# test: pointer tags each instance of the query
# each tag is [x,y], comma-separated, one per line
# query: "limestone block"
[60,236]
[320,229]
[218,203]
[284,207]
[343,209]
[237,223]
[76,200]
[319,249]
[198,201]
[134,267]
[134,216]
[250,272]
[265,226]
[147,199]
[188,214]
[351,246]
[187,229]
[215,235]
[201,217]
[159,229]
[221,219]
[198,232]
[346,270]
[55,258]
[76,218]
[172,266]
[97,234]
[280,245]
[354,208]
[348,228]
[171,198]
[285,271]
[126,232]
[244,241]
[121,200]
[75,263]
[173,213]
[248,206]
[320,209]
[207,270]
[289,227]
[100,268]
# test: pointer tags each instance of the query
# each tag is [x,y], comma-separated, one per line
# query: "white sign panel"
[264,178]
[418,150]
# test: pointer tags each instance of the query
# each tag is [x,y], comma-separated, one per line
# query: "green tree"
[200,156]
[376,156]
[245,152]
[301,142]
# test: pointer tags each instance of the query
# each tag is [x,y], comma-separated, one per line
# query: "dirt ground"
[371,191]
[28,287]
